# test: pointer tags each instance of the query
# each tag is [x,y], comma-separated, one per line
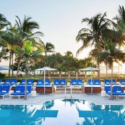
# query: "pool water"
[62,112]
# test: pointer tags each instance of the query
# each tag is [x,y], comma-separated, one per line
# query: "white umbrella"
[45,69]
[90,69]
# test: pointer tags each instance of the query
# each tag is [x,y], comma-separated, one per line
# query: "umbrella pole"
[44,80]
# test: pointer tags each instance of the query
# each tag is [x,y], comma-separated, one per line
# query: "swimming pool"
[62,112]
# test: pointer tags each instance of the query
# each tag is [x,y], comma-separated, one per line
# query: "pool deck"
[39,99]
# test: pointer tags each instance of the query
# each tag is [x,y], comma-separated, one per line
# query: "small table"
[33,93]
[103,93]
[10,92]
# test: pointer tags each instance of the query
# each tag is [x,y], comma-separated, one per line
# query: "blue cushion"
[90,81]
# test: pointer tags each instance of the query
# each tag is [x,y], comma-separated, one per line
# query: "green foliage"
[2,76]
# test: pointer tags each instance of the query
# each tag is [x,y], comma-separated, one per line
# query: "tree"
[26,30]
[29,55]
[93,36]
[111,55]
[48,47]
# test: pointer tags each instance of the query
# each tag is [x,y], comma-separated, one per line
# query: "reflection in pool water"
[62,112]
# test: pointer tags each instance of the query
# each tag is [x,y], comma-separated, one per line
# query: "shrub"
[2,76]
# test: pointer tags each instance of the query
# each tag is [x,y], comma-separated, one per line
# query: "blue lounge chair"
[13,82]
[76,82]
[90,82]
[122,81]
[0,81]
[4,90]
[96,82]
[7,82]
[20,91]
[29,82]
[47,81]
[63,81]
[118,90]
[39,82]
[59,82]
[108,82]
[56,82]
[79,81]
[108,90]
[73,82]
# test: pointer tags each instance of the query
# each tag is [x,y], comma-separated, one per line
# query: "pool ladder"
[70,91]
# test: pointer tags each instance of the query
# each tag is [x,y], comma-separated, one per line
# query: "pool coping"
[97,99]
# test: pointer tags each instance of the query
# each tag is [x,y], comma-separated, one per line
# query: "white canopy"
[90,69]
[46,69]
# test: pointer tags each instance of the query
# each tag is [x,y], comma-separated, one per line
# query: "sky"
[59,20]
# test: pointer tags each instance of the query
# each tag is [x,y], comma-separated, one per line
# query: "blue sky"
[60,20]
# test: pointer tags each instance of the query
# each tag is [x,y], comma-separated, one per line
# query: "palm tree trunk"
[34,73]
[9,64]
[111,96]
[68,75]
[25,97]
[85,77]
[59,74]
[118,71]
[76,75]
[18,67]
[98,71]
[106,70]
[12,64]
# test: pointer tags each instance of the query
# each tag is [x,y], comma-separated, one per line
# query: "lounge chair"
[97,82]
[76,82]
[59,82]
[7,82]
[108,90]
[122,81]
[29,82]
[13,81]
[47,81]
[93,86]
[63,81]
[90,81]
[73,82]
[79,82]
[0,81]
[20,91]
[4,90]
[108,82]
[56,82]
[117,90]
[40,82]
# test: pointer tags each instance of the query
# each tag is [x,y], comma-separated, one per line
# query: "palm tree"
[48,47]
[29,55]
[111,55]
[93,36]
[3,22]
[121,14]
[26,30]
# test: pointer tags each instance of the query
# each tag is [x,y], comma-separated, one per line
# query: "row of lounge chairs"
[61,82]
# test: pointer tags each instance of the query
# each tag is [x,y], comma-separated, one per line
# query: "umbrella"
[45,69]
[90,69]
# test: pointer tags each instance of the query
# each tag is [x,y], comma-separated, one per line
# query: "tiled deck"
[39,99]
